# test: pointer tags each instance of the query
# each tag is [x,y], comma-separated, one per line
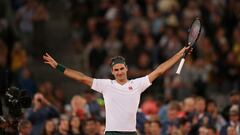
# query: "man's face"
[119,71]
[64,125]
[26,130]
[172,114]
[189,105]
[234,117]
[90,127]
[200,105]
[186,128]
[155,129]
[235,99]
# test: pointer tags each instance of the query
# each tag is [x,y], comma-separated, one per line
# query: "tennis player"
[121,96]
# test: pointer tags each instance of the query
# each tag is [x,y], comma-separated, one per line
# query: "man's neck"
[63,132]
[123,81]
[75,130]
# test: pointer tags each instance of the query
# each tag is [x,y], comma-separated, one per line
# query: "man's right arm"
[76,75]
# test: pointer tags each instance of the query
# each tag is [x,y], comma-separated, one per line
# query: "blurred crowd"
[146,33]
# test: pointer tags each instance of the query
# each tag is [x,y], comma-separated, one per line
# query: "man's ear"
[126,67]
[112,70]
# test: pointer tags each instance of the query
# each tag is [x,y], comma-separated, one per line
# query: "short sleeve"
[99,85]
[143,83]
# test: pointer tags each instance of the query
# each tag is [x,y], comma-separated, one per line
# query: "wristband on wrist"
[60,68]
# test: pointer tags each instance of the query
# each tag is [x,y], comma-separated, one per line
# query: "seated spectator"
[60,99]
[188,108]
[185,126]
[89,127]
[202,131]
[218,120]
[155,128]
[92,104]
[149,106]
[212,130]
[234,98]
[78,105]
[202,117]
[24,127]
[172,117]
[231,131]
[75,126]
[49,127]
[40,112]
[63,127]
[233,122]
[26,81]
[19,57]
[147,128]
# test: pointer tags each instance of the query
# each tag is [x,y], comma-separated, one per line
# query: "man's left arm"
[161,69]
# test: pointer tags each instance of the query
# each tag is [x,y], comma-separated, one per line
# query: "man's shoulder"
[103,81]
[139,79]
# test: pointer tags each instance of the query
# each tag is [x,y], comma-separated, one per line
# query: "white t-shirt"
[121,101]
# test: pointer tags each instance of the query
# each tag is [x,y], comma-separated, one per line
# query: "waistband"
[122,132]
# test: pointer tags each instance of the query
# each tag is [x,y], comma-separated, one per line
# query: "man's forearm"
[161,69]
[168,64]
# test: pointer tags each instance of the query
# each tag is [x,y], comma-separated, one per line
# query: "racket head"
[194,31]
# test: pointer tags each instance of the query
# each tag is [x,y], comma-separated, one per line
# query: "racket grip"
[180,65]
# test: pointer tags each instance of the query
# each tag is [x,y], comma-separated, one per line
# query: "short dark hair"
[117,60]
[157,122]
[234,93]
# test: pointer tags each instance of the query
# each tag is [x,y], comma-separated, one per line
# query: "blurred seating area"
[203,100]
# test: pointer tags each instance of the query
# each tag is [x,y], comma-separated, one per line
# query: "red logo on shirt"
[130,88]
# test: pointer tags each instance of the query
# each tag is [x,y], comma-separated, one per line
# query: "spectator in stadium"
[155,128]
[203,119]
[172,118]
[231,131]
[234,98]
[75,126]
[26,81]
[188,107]
[218,120]
[24,21]
[212,130]
[202,131]
[39,19]
[147,128]
[185,126]
[41,111]
[79,107]
[3,68]
[24,127]
[97,53]
[234,121]
[63,127]
[49,127]
[89,127]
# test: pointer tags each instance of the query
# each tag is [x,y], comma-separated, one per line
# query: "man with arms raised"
[121,95]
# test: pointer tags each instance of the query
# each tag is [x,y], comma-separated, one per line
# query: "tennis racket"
[193,35]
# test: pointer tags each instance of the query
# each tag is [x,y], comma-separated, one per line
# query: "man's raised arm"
[68,72]
[167,65]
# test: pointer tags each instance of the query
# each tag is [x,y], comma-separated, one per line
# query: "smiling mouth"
[120,75]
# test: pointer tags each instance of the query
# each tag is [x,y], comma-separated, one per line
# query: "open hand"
[49,60]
